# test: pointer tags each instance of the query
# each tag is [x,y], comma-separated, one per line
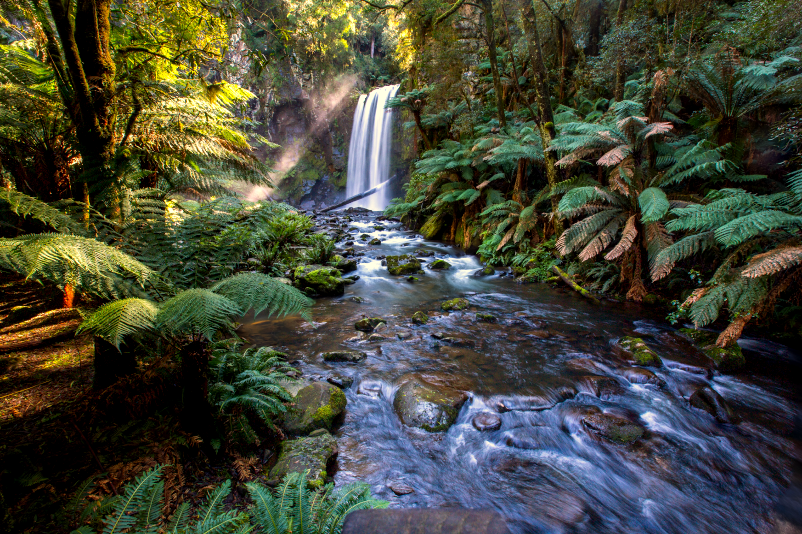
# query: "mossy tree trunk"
[490,36]
[619,66]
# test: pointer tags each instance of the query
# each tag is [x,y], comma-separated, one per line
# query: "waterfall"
[369,151]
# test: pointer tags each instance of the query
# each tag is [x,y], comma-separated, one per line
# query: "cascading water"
[369,151]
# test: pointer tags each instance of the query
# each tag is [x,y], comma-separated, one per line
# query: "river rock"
[457,304]
[635,349]
[419,318]
[404,264]
[376,337]
[315,406]
[485,422]
[614,428]
[424,405]
[603,387]
[358,300]
[533,403]
[487,270]
[342,382]
[364,237]
[343,265]
[399,488]
[637,375]
[370,388]
[369,324]
[318,280]
[403,335]
[439,265]
[486,318]
[350,356]
[375,241]
[725,359]
[313,453]
[707,399]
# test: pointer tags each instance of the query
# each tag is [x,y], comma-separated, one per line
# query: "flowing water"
[369,148]
[543,469]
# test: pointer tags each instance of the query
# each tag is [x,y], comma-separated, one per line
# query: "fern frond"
[132,500]
[120,318]
[197,310]
[773,262]
[627,239]
[665,260]
[27,206]
[743,228]
[261,292]
[654,204]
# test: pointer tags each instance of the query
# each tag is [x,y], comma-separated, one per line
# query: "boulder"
[603,387]
[419,318]
[636,350]
[313,453]
[404,264]
[707,399]
[424,405]
[637,375]
[487,270]
[725,359]
[368,324]
[614,428]
[343,265]
[315,406]
[342,382]
[350,356]
[375,241]
[400,488]
[319,281]
[457,304]
[439,265]
[485,422]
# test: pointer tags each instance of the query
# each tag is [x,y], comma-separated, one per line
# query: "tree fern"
[27,206]
[260,292]
[121,318]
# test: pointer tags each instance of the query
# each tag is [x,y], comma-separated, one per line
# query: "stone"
[358,300]
[424,405]
[364,237]
[439,265]
[368,324]
[400,488]
[312,453]
[404,264]
[486,318]
[350,356]
[375,241]
[707,399]
[376,337]
[603,387]
[614,428]
[419,318]
[485,422]
[342,382]
[343,265]
[315,406]
[636,375]
[404,335]
[534,403]
[412,278]
[635,349]
[725,359]
[320,281]
[370,388]
[487,270]
[457,304]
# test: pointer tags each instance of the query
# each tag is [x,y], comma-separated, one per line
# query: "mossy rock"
[403,265]
[313,453]
[638,351]
[350,356]
[423,405]
[433,226]
[315,406]
[343,265]
[457,304]
[487,270]
[439,265]
[707,399]
[369,324]
[375,241]
[364,237]
[614,428]
[320,281]
[486,318]
[725,359]
[419,318]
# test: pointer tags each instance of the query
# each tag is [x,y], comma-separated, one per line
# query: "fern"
[116,320]
[134,499]
[260,292]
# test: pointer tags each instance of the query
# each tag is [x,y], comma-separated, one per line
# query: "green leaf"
[654,204]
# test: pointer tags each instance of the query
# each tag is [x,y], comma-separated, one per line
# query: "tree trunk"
[546,120]
[619,66]
[111,364]
[196,414]
[487,7]
[520,187]
[426,143]
[69,297]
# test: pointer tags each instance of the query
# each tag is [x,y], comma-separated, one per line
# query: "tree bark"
[619,66]
[487,7]
[426,142]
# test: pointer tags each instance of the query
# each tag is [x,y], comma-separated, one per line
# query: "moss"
[613,428]
[637,349]
[457,304]
[316,407]
[486,318]
[725,359]
[375,241]
[433,226]
[323,281]
[368,324]
[440,265]
[403,265]
[312,453]
[420,318]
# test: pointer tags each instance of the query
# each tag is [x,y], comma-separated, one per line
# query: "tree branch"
[453,9]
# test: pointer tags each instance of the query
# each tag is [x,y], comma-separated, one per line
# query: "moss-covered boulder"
[433,225]
[486,318]
[313,453]
[614,428]
[487,270]
[316,406]
[364,237]
[369,324]
[457,304]
[636,350]
[319,281]
[403,265]
[375,241]
[707,399]
[424,405]
[439,265]
[349,356]
[725,359]
[419,318]
[343,265]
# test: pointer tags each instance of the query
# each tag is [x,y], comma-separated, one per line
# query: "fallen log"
[573,285]
[359,196]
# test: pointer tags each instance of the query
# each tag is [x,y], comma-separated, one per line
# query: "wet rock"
[313,453]
[368,324]
[318,280]
[439,265]
[376,337]
[399,488]
[342,382]
[486,318]
[725,359]
[635,349]
[378,227]
[370,388]
[364,237]
[350,356]
[637,375]
[707,399]
[540,334]
[486,422]
[412,278]
[457,304]
[603,387]
[533,403]
[343,265]
[358,300]
[403,265]
[487,270]
[586,365]
[419,318]
[424,253]
[350,280]
[375,241]
[614,428]
[427,406]
[404,335]
[315,406]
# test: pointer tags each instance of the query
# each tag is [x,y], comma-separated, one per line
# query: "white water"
[369,150]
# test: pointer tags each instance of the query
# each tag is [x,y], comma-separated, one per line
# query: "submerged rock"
[636,375]
[419,318]
[320,281]
[635,349]
[487,270]
[400,488]
[375,241]
[457,304]
[351,356]
[614,428]
[486,318]
[315,406]
[603,387]
[376,337]
[358,300]
[427,406]
[404,264]
[725,359]
[534,403]
[707,399]
[313,453]
[486,422]
[439,265]
[369,324]
[342,382]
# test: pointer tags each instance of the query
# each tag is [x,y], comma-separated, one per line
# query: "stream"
[543,469]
